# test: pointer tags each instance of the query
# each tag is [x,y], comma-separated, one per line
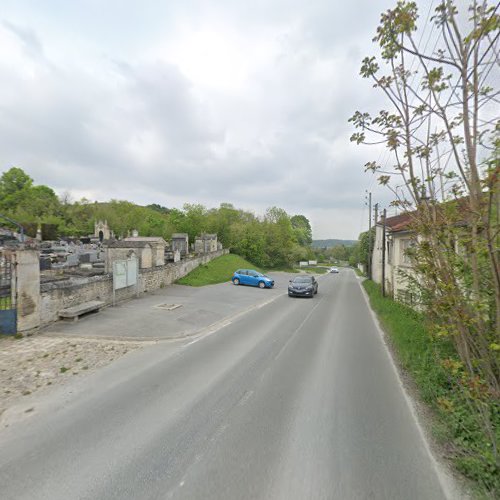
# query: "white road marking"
[298,328]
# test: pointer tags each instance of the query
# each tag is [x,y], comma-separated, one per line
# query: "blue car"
[252,277]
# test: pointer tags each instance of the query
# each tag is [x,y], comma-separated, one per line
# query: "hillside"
[218,270]
[332,243]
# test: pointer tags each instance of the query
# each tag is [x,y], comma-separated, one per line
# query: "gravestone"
[73,260]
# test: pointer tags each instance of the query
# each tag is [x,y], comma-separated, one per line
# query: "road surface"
[296,400]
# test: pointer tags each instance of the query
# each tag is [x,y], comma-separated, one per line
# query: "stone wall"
[28,289]
[60,295]
[158,277]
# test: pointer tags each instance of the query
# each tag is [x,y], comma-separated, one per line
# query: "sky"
[194,101]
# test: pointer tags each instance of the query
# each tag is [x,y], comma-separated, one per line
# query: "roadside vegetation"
[216,271]
[315,270]
[358,272]
[459,406]
[440,128]
[221,270]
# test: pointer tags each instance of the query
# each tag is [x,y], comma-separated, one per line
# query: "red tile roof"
[403,221]
[398,222]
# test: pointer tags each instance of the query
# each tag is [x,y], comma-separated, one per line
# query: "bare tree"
[442,128]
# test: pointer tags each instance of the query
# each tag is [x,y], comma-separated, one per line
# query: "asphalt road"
[296,400]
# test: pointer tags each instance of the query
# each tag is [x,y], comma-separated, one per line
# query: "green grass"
[316,270]
[221,270]
[283,269]
[218,270]
[358,272]
[457,419]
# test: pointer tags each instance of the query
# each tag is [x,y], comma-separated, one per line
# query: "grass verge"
[359,273]
[216,271]
[460,418]
[316,270]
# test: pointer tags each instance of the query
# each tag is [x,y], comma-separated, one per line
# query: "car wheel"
[236,281]
[262,284]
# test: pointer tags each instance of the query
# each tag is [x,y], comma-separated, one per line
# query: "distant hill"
[332,243]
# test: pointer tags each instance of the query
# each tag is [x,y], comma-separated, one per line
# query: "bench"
[76,311]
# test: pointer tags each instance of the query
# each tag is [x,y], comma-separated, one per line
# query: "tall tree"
[302,229]
[442,128]
[442,131]
[14,187]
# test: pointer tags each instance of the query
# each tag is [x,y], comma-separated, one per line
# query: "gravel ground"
[31,364]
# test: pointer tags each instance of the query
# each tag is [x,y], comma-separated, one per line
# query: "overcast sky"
[193,101]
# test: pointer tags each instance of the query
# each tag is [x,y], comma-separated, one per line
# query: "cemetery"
[56,279]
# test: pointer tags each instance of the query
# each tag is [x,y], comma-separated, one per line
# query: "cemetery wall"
[56,296]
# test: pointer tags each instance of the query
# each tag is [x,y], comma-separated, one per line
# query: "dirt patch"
[30,364]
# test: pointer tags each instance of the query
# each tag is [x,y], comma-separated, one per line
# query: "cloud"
[31,44]
[243,102]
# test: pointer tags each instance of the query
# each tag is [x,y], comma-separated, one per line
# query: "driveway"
[171,313]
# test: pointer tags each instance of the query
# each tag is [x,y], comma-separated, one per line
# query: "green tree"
[158,208]
[249,240]
[41,201]
[14,187]
[302,229]
[279,237]
[195,220]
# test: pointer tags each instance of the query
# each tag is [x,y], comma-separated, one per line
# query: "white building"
[398,263]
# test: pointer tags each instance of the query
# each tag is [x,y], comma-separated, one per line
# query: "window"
[389,251]
[406,246]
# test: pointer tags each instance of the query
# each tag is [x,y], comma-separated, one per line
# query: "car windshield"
[302,279]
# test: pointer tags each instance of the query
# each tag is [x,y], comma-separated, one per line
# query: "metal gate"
[8,311]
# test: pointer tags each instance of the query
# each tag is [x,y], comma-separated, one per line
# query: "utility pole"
[369,235]
[383,253]
[375,220]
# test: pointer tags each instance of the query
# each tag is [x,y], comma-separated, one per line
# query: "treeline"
[275,239]
[338,253]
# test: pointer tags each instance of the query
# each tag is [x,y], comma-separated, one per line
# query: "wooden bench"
[76,311]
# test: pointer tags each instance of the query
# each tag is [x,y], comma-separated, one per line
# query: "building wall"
[389,260]
[158,258]
[397,265]
[204,245]
[102,226]
[145,256]
[61,295]
[181,244]
[377,256]
[28,289]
